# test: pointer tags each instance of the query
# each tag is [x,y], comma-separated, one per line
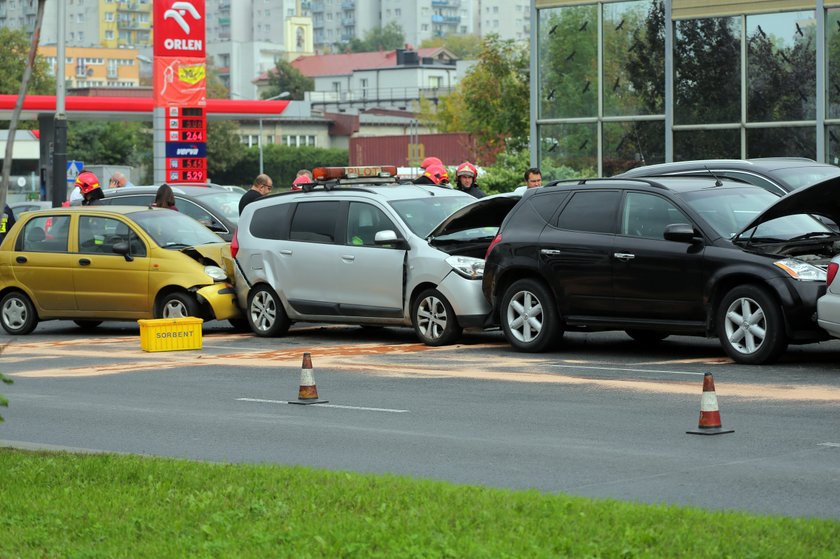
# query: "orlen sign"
[179,28]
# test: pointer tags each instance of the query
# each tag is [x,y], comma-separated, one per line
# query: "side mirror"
[681,233]
[123,248]
[389,238]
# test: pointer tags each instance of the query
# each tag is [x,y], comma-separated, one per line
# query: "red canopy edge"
[134,105]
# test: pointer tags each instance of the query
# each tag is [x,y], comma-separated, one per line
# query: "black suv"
[666,255]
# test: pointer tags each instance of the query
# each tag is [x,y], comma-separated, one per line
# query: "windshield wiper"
[814,235]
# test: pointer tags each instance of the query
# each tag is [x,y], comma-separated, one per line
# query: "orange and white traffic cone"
[308,392]
[709,413]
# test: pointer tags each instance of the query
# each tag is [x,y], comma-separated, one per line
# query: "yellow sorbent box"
[170,334]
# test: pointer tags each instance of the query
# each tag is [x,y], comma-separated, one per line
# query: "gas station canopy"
[134,108]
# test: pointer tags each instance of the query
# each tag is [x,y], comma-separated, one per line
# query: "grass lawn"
[81,506]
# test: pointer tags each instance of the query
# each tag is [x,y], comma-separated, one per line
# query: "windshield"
[423,214]
[797,177]
[729,210]
[172,229]
[225,203]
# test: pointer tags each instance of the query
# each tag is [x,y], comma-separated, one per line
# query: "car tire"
[17,314]
[750,325]
[529,317]
[87,324]
[434,319]
[647,336]
[266,314]
[178,304]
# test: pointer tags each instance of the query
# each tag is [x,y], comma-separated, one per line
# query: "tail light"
[495,241]
[234,244]
[831,272]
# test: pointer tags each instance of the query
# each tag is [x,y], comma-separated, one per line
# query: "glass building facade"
[618,84]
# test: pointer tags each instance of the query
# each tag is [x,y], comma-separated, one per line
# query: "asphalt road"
[601,417]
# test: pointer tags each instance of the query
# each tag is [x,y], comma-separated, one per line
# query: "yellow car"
[95,263]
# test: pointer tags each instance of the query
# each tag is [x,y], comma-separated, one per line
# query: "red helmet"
[466,169]
[430,161]
[437,173]
[87,182]
[300,181]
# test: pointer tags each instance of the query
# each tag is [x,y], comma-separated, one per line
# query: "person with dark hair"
[262,186]
[165,198]
[533,177]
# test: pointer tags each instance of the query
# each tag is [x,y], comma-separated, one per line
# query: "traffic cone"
[709,413]
[308,392]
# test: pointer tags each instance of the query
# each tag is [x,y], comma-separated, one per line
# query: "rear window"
[314,222]
[271,222]
[591,211]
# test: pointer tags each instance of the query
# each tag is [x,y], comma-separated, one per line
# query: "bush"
[281,163]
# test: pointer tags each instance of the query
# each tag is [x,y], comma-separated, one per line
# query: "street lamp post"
[259,138]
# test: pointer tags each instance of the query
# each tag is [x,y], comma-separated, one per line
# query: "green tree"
[492,101]
[285,77]
[13,60]
[224,150]
[109,142]
[281,163]
[463,46]
[389,37]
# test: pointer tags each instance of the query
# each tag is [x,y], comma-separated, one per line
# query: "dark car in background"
[779,175]
[667,255]
[216,207]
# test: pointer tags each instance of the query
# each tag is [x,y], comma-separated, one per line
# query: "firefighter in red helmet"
[89,187]
[435,174]
[430,161]
[465,177]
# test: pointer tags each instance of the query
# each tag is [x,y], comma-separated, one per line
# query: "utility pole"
[24,83]
[59,158]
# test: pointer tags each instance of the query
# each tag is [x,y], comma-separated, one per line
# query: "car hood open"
[489,211]
[822,198]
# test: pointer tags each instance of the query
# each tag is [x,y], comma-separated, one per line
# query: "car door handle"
[84,261]
[551,251]
[348,257]
[624,256]
[21,260]
[286,252]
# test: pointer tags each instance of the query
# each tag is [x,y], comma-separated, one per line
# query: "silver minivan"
[368,251]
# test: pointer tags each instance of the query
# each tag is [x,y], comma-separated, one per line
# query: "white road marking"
[629,370]
[833,445]
[260,400]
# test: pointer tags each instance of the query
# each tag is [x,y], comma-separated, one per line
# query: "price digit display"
[192,135]
[186,145]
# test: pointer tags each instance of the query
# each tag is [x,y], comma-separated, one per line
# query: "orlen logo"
[179,28]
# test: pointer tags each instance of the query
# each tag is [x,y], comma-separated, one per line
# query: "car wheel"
[750,326]
[434,320]
[529,316]
[87,324]
[266,314]
[17,314]
[647,336]
[178,305]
